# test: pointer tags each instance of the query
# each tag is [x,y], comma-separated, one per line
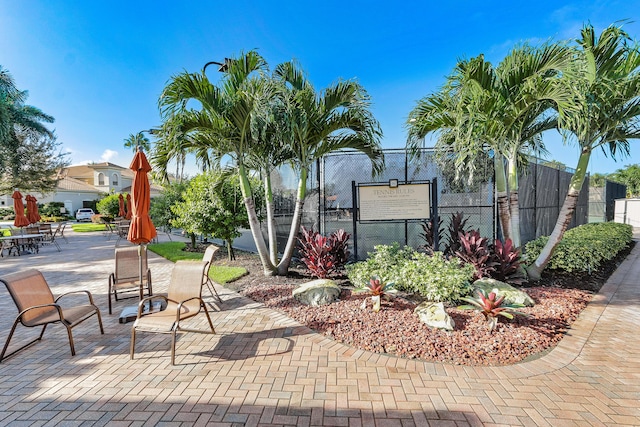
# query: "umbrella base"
[129,314]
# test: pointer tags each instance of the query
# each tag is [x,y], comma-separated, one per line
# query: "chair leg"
[206,312]
[133,343]
[173,346]
[73,348]
[6,345]
[100,321]
[109,296]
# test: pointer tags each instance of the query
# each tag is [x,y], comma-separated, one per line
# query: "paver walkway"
[263,368]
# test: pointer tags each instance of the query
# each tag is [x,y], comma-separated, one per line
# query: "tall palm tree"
[261,123]
[225,122]
[335,119]
[135,140]
[605,113]
[501,110]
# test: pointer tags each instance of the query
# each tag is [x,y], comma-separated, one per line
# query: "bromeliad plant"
[378,290]
[491,306]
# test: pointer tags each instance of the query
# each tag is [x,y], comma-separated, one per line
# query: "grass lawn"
[87,227]
[173,251]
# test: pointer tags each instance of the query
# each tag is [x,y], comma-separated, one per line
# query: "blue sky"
[98,67]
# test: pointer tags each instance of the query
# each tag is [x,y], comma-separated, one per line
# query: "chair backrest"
[127,263]
[45,228]
[209,255]
[32,230]
[58,229]
[16,232]
[186,282]
[29,288]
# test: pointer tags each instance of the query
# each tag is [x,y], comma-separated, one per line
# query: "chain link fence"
[329,206]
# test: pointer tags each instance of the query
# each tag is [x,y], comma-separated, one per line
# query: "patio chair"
[184,300]
[49,237]
[125,278]
[37,307]
[209,254]
[59,232]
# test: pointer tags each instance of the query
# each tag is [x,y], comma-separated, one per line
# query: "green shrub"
[584,248]
[433,277]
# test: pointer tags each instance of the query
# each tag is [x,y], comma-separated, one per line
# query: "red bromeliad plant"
[474,250]
[378,290]
[323,255]
[506,263]
[491,306]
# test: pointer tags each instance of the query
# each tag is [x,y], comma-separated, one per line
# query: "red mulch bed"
[395,330]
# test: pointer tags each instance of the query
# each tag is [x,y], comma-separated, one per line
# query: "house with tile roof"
[82,185]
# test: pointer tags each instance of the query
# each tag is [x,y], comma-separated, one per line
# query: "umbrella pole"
[140,252]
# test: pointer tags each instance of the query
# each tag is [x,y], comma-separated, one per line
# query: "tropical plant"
[499,110]
[604,113]
[378,290]
[506,263]
[629,176]
[323,255]
[491,306]
[455,229]
[429,234]
[261,122]
[135,140]
[474,250]
[160,209]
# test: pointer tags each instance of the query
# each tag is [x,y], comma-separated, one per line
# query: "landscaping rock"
[317,292]
[511,294]
[434,315]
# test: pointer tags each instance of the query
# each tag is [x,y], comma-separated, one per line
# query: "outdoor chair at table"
[37,307]
[22,242]
[184,300]
[125,278]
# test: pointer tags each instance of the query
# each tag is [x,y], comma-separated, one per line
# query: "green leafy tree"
[597,179]
[160,210]
[109,206]
[213,206]
[629,176]
[605,113]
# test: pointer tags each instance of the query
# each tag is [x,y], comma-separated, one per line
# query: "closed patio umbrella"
[21,220]
[121,212]
[128,214]
[32,209]
[141,230]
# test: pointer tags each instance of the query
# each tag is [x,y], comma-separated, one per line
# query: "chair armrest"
[77,292]
[149,299]
[182,303]
[57,307]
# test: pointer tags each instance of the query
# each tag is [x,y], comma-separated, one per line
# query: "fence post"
[434,210]
[354,201]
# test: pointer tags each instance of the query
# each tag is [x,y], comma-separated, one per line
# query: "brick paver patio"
[263,368]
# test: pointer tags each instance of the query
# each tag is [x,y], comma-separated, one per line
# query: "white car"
[84,214]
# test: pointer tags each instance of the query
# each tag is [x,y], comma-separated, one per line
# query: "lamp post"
[222,67]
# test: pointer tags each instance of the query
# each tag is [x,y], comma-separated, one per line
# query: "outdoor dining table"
[31,241]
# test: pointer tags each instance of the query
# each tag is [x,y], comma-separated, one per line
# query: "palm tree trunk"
[502,197]
[564,217]
[283,266]
[271,222]
[514,207]
[268,268]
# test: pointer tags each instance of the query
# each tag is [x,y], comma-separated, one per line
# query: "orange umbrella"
[128,215]
[32,209]
[18,206]
[141,230]
[121,206]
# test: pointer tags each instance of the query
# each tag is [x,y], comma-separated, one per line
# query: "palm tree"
[262,122]
[605,113]
[500,110]
[18,123]
[135,140]
[335,119]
